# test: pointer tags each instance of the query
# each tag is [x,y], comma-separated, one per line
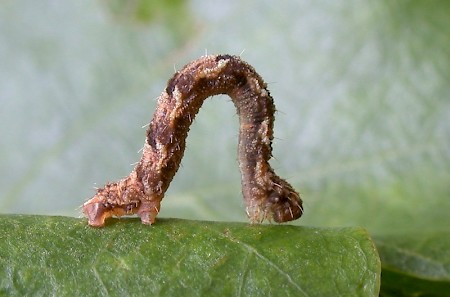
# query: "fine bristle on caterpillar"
[267,196]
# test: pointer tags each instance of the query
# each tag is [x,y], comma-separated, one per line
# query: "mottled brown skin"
[267,196]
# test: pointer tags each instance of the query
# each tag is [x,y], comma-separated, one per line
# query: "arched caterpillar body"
[267,196]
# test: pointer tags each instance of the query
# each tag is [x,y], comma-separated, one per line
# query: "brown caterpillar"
[267,196]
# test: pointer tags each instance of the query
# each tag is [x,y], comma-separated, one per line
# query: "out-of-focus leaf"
[183,258]
[416,264]
[362,90]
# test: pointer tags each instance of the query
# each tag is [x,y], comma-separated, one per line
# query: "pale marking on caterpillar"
[266,195]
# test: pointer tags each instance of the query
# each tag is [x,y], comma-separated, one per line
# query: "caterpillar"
[266,195]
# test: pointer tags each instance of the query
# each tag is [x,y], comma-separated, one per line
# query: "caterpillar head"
[97,210]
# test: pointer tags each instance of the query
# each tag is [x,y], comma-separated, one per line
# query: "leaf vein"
[254,251]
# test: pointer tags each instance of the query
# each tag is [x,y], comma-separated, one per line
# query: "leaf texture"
[62,256]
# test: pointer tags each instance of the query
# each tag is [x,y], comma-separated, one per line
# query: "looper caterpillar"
[266,195]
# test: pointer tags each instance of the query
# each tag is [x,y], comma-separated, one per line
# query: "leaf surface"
[60,256]
[415,264]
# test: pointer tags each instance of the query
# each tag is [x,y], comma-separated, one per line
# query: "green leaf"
[63,256]
[415,264]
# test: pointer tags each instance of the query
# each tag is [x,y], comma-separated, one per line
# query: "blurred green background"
[361,87]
